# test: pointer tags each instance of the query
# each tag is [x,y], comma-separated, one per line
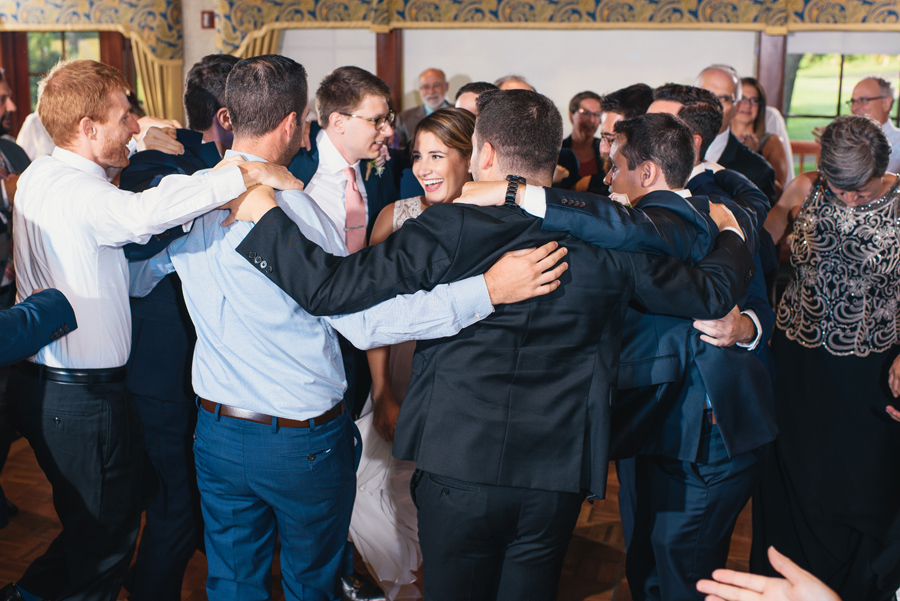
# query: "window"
[45,49]
[818,87]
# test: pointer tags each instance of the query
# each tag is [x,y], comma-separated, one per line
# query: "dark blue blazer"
[162,332]
[738,157]
[32,324]
[666,371]
[381,190]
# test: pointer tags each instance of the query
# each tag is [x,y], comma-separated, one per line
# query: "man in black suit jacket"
[162,344]
[508,420]
[726,150]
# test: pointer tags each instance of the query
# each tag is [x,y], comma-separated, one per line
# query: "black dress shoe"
[356,588]
[11,593]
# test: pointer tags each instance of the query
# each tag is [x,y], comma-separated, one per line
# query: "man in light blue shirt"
[274,449]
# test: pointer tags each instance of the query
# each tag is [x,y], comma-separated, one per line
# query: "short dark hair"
[575,103]
[701,110]
[261,91]
[204,89]
[855,149]
[344,88]
[475,87]
[661,138]
[524,127]
[629,102]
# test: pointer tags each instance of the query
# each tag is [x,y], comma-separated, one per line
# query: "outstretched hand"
[797,584]
[727,331]
[251,205]
[724,218]
[523,274]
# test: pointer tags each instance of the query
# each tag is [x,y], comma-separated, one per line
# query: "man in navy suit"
[159,374]
[26,328]
[355,125]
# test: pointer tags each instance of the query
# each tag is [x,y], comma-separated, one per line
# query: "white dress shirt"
[71,223]
[893,136]
[715,150]
[328,183]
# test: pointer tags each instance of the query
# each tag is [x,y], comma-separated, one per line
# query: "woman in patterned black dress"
[830,496]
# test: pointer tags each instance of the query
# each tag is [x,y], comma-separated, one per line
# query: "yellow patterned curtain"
[263,42]
[240,19]
[161,82]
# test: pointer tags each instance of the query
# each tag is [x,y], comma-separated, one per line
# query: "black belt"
[72,376]
[262,418]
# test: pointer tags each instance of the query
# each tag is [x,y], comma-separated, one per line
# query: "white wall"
[562,63]
[321,51]
[843,42]
[197,42]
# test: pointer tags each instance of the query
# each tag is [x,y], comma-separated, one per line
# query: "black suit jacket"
[522,398]
[738,157]
[381,190]
[32,324]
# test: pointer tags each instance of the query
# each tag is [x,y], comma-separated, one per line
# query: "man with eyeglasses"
[873,97]
[726,149]
[432,89]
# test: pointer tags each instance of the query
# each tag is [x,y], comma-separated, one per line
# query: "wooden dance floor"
[594,569]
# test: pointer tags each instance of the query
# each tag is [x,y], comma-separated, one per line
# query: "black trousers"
[88,441]
[482,542]
[174,526]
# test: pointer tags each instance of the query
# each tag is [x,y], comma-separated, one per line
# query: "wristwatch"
[513,187]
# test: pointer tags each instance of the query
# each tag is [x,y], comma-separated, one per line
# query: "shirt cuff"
[755,343]
[227,183]
[535,201]
[471,300]
[736,231]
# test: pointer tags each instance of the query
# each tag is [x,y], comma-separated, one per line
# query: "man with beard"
[432,88]
[70,399]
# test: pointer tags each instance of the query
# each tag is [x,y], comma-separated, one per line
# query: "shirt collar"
[330,160]
[79,162]
[715,150]
[246,155]
[703,167]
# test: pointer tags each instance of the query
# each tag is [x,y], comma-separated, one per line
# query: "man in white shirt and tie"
[70,399]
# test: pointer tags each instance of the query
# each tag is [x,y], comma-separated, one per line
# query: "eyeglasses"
[608,138]
[723,99]
[587,113]
[748,100]
[853,101]
[380,122]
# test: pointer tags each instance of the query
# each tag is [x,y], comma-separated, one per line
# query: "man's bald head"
[725,83]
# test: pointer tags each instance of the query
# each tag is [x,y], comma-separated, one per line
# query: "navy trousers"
[260,482]
[482,542]
[684,515]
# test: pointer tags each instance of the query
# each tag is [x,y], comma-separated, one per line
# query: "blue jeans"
[258,482]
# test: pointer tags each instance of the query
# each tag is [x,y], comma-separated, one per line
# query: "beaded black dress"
[830,494]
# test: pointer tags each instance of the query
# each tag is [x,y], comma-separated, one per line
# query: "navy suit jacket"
[32,324]
[666,371]
[381,190]
[162,332]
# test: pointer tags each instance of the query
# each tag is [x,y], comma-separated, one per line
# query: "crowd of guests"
[216,325]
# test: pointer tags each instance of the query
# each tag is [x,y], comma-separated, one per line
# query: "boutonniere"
[378,162]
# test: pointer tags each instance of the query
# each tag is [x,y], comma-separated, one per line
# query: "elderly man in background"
[432,88]
[70,400]
[873,97]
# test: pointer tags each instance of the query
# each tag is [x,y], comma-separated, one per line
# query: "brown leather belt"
[262,418]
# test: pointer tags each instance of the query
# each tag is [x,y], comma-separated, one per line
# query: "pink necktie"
[355,233]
